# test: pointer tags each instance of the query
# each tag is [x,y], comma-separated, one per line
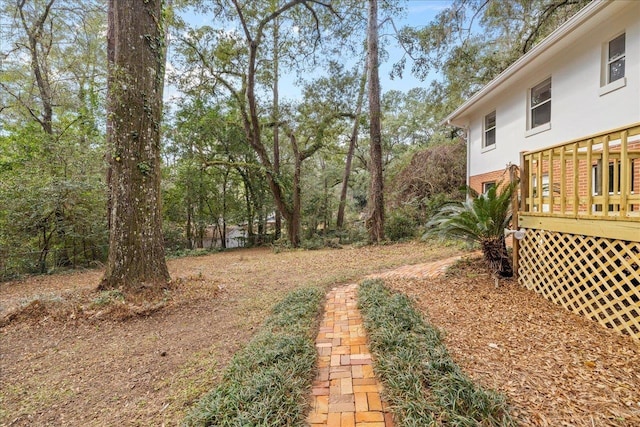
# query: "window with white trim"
[489,138]
[486,186]
[615,180]
[616,59]
[540,104]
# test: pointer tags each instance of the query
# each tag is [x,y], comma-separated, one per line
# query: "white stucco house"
[583,79]
[567,114]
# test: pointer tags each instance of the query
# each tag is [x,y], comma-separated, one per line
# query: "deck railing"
[580,206]
[594,178]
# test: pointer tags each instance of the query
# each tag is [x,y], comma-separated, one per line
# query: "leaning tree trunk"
[375,221]
[135,82]
[495,253]
[352,146]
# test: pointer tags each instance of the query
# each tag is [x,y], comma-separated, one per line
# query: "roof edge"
[558,34]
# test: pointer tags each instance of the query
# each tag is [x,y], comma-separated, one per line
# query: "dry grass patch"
[133,371]
[108,305]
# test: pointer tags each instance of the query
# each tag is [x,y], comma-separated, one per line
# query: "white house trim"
[537,54]
[573,58]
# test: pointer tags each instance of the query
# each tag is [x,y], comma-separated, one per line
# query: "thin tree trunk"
[375,221]
[249,195]
[223,234]
[38,64]
[293,225]
[42,261]
[353,142]
[252,122]
[325,208]
[200,218]
[200,235]
[39,47]
[136,77]
[189,226]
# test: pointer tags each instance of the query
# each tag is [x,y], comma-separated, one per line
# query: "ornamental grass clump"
[423,384]
[268,382]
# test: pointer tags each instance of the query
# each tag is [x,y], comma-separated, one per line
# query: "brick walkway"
[345,392]
[425,270]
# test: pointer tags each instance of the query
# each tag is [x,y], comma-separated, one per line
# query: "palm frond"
[481,218]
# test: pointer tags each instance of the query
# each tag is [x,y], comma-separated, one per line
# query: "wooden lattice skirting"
[596,277]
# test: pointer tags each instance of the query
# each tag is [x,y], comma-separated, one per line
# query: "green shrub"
[174,237]
[431,205]
[400,225]
[193,252]
[481,218]
[269,381]
[423,384]
[312,244]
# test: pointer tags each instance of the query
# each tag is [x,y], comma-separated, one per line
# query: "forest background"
[310,162]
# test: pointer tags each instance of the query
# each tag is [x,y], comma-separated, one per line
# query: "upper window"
[616,59]
[489,130]
[540,104]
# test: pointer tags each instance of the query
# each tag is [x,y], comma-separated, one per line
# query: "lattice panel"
[596,277]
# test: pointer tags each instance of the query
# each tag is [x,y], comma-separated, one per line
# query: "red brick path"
[346,393]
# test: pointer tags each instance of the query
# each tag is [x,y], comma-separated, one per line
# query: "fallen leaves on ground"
[556,367]
[147,369]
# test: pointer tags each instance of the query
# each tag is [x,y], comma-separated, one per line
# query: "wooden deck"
[577,185]
[580,205]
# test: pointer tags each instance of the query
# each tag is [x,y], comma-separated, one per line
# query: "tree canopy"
[237,149]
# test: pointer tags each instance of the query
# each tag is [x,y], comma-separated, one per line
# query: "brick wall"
[476,181]
[585,172]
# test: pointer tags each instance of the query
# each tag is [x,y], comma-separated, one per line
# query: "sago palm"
[481,218]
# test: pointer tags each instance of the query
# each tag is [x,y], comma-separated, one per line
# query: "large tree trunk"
[352,146]
[375,221]
[276,118]
[136,76]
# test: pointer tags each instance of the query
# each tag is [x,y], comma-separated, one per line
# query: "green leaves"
[479,217]
[482,218]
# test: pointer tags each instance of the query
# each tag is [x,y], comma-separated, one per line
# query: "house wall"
[477,181]
[578,108]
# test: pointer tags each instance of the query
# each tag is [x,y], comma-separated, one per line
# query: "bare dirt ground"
[66,361]
[555,367]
